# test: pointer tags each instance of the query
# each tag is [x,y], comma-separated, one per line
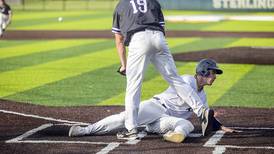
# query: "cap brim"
[217,70]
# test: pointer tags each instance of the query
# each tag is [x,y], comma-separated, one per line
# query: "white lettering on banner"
[217,4]
[233,4]
[261,4]
[243,4]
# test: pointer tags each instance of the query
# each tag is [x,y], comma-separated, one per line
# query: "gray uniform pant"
[151,46]
[151,114]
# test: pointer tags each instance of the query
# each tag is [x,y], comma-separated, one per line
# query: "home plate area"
[249,140]
[27,128]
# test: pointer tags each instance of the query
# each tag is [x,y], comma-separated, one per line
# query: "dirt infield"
[54,34]
[49,134]
[240,55]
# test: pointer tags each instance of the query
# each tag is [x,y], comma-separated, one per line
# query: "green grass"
[32,76]
[83,72]
[199,44]
[73,20]
[253,90]
[70,50]
[102,20]
[66,5]
[240,26]
[35,47]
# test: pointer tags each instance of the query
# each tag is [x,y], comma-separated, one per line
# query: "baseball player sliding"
[139,24]
[5,16]
[165,113]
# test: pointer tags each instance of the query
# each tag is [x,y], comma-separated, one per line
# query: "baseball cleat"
[128,135]
[75,131]
[207,121]
[174,137]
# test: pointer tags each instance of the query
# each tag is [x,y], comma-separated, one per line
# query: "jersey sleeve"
[204,99]
[161,16]
[116,22]
[161,19]
[9,9]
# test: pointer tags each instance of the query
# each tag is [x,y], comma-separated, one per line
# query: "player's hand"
[122,70]
[219,112]
[229,130]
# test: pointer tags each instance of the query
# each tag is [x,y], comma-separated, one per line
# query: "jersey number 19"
[140,6]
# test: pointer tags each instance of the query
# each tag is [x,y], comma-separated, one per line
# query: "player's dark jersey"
[5,9]
[131,16]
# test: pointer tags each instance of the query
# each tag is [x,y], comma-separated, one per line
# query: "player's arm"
[217,125]
[121,51]
[119,41]
[9,18]
[161,16]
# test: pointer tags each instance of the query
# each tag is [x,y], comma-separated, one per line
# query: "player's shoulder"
[187,77]
[123,2]
[7,6]
[122,5]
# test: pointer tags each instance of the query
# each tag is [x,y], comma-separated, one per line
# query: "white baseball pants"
[145,47]
[3,22]
[151,113]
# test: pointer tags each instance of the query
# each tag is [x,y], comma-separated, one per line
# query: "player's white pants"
[3,22]
[145,47]
[151,113]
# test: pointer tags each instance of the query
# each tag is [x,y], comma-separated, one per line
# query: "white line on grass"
[41,117]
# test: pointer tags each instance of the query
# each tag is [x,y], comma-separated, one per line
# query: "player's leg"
[1,25]
[5,20]
[110,124]
[150,111]
[137,61]
[163,61]
[173,129]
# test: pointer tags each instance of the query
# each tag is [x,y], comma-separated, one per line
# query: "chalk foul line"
[28,133]
[44,118]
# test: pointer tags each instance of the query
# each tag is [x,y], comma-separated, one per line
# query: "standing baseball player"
[139,24]
[165,113]
[5,16]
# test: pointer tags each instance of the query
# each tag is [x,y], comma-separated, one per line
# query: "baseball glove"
[121,72]
[216,125]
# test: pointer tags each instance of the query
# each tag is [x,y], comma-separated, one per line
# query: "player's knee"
[121,117]
[184,126]
[190,126]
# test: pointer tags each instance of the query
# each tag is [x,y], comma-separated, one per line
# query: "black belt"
[157,98]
